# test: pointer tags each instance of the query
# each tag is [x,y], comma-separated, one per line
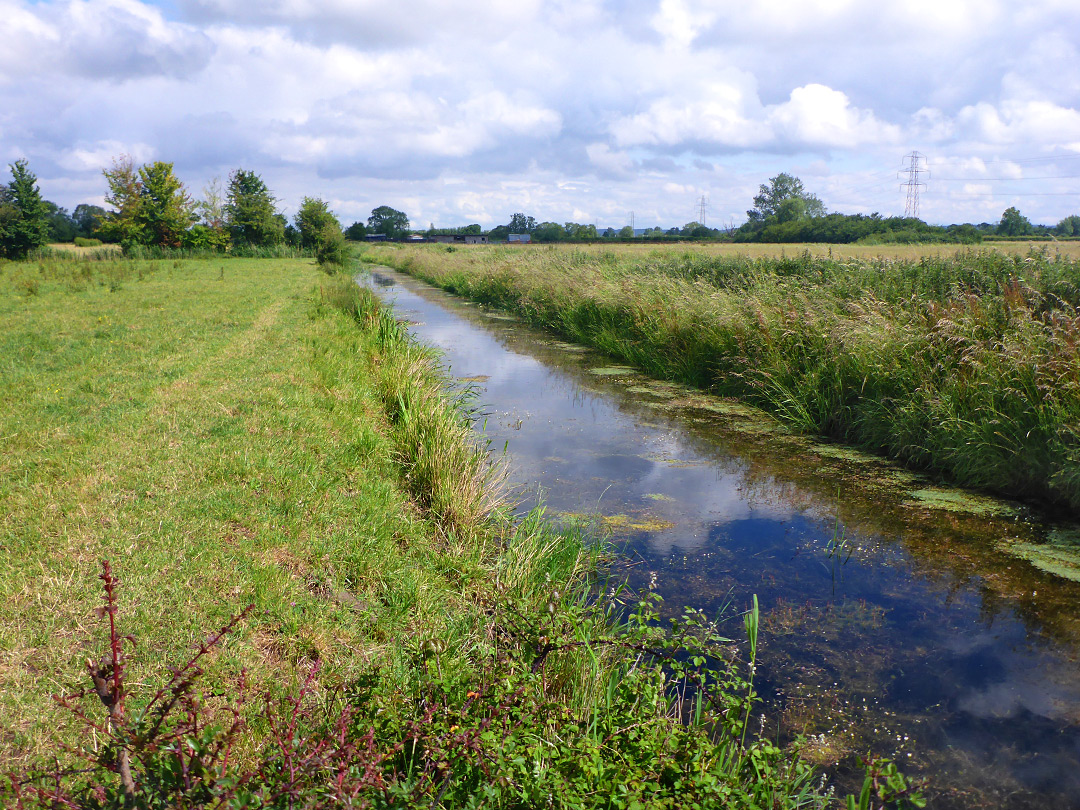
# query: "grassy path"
[219,435]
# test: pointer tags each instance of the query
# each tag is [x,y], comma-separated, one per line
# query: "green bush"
[82,241]
[332,249]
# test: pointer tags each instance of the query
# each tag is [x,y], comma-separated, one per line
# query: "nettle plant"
[568,708]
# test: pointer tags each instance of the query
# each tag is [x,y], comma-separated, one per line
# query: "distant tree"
[626,232]
[357,231]
[86,218]
[24,215]
[1070,226]
[500,233]
[695,230]
[62,227]
[210,231]
[211,208]
[251,214]
[313,221]
[389,221]
[549,232]
[784,199]
[521,223]
[653,233]
[1013,223]
[575,231]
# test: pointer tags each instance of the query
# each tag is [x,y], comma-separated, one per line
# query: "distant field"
[1069,249]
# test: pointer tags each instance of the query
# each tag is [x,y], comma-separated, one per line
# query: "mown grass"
[966,364]
[251,432]
[225,436]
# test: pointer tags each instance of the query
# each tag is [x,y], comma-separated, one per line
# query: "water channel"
[899,617]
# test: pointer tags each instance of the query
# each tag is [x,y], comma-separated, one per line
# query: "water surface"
[899,616]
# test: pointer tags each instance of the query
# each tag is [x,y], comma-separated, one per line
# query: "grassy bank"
[966,364]
[250,432]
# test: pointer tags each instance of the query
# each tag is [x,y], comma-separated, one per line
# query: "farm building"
[461,239]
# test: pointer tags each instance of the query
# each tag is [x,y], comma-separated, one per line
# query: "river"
[937,627]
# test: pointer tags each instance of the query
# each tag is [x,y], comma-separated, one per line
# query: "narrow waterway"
[898,617]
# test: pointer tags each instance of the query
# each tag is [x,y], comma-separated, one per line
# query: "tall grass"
[967,365]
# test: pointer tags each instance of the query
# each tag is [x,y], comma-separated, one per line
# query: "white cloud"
[817,115]
[609,162]
[573,98]
[100,155]
[1028,123]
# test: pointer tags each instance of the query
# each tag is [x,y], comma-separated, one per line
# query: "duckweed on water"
[1059,555]
[619,524]
[955,500]
[611,371]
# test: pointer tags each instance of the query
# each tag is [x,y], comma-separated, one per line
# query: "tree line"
[149,206]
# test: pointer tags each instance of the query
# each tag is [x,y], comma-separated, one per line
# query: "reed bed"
[966,365]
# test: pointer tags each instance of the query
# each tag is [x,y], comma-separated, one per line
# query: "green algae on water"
[1059,555]
[612,371]
[955,500]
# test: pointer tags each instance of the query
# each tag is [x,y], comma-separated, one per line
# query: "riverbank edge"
[532,570]
[619,329]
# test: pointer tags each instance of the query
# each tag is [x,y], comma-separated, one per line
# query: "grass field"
[965,363]
[250,432]
[223,441]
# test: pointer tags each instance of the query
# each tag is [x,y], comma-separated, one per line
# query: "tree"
[313,221]
[1070,226]
[24,215]
[1013,223]
[695,230]
[121,224]
[61,226]
[165,210]
[521,223]
[574,230]
[251,214]
[209,232]
[87,219]
[211,208]
[150,205]
[626,232]
[784,200]
[549,232]
[357,231]
[389,221]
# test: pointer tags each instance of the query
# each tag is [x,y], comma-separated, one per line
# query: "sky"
[591,111]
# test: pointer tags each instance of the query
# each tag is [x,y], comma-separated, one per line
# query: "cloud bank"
[582,110]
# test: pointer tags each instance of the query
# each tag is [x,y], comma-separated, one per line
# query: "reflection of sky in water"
[980,693]
[585,454]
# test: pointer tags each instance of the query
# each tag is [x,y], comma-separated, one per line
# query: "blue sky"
[580,110]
